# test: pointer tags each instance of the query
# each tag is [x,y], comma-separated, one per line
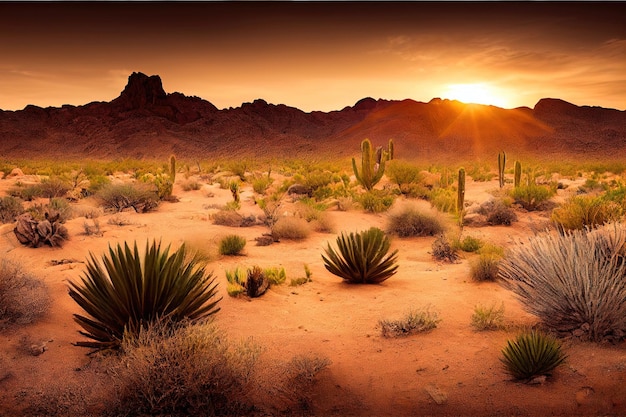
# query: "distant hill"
[146,122]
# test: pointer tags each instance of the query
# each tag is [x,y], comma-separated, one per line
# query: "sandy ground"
[452,370]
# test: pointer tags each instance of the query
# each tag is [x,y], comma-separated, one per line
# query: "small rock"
[583,395]
[538,380]
[439,396]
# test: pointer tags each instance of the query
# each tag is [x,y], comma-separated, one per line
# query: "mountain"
[146,122]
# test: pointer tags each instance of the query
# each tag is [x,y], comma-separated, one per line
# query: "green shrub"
[415,321]
[375,201]
[411,221]
[232,245]
[404,174]
[291,228]
[485,267]
[54,187]
[275,275]
[581,212]
[26,193]
[532,354]
[443,199]
[442,250]
[573,282]
[183,369]
[141,197]
[469,244]
[362,258]
[236,281]
[260,184]
[531,196]
[10,208]
[23,298]
[488,317]
[126,291]
[302,280]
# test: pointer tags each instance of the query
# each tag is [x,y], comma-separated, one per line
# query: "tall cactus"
[518,174]
[173,168]
[501,164]
[390,152]
[371,170]
[461,191]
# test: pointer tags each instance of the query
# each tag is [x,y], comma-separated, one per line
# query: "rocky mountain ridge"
[146,122]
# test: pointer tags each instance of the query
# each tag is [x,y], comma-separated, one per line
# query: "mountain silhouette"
[147,122]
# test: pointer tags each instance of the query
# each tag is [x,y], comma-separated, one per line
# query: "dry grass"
[291,228]
[23,298]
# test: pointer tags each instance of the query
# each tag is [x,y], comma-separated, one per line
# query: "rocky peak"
[142,91]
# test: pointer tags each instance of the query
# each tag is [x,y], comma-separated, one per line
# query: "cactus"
[371,169]
[173,168]
[501,164]
[461,191]
[518,174]
[390,151]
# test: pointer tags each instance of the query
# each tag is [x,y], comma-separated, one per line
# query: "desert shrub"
[275,275]
[236,281]
[480,172]
[375,201]
[415,321]
[140,196]
[573,282]
[36,233]
[10,208]
[291,228]
[93,228]
[497,213]
[530,197]
[184,369]
[227,217]
[485,267]
[442,250]
[411,221]
[126,291]
[23,298]
[26,193]
[96,183]
[261,183]
[532,354]
[232,245]
[302,280]
[190,185]
[488,317]
[119,219]
[316,215]
[581,212]
[54,187]
[362,258]
[443,199]
[469,244]
[407,176]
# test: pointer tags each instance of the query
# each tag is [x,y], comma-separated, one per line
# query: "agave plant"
[362,257]
[124,292]
[532,354]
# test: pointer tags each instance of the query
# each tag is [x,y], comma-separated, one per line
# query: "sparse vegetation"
[573,282]
[415,321]
[291,228]
[488,317]
[581,212]
[362,258]
[375,201]
[443,250]
[412,221]
[232,245]
[120,196]
[531,196]
[487,265]
[532,354]
[125,291]
[23,298]
[10,208]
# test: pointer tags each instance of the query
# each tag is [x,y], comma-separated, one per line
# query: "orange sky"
[315,56]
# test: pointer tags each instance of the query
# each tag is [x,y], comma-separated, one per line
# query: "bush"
[404,174]
[485,267]
[125,292]
[443,199]
[532,354]
[236,281]
[141,197]
[531,196]
[10,208]
[574,282]
[497,213]
[23,298]
[275,275]
[488,318]
[415,321]
[442,250]
[293,228]
[362,258]
[54,188]
[184,370]
[410,221]
[375,201]
[581,212]
[190,185]
[469,244]
[228,218]
[232,245]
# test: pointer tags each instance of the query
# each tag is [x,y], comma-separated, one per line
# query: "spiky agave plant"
[124,292]
[362,258]
[532,354]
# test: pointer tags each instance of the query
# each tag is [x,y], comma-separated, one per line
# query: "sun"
[475,93]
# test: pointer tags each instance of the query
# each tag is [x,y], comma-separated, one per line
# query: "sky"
[315,55]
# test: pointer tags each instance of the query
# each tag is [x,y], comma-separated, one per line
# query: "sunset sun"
[475,93]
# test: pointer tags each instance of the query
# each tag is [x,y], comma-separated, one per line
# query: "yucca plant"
[532,354]
[362,258]
[124,292]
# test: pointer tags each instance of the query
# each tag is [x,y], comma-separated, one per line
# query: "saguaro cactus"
[461,191]
[173,168]
[501,164]
[518,174]
[390,151]
[371,170]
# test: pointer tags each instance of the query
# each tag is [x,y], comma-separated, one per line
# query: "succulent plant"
[372,167]
[532,354]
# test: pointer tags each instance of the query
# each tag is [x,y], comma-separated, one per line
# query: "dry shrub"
[442,250]
[581,212]
[497,213]
[10,208]
[228,218]
[573,282]
[23,298]
[292,228]
[413,221]
[415,321]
